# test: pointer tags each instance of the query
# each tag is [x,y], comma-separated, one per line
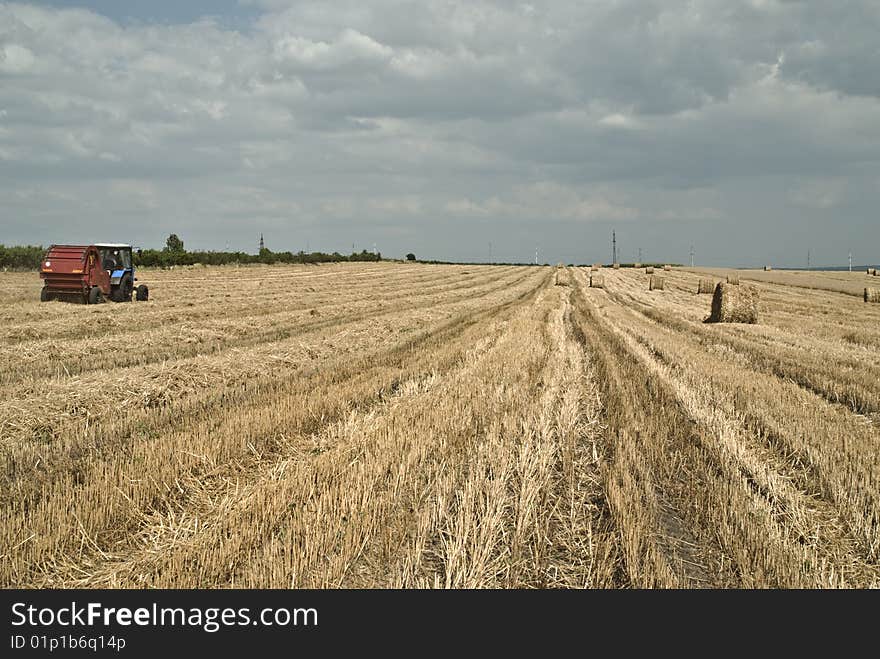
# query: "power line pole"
[613,247]
[490,251]
[808,259]
[850,261]
[640,254]
[692,256]
[536,256]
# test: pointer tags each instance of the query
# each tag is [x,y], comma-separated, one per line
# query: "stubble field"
[389,425]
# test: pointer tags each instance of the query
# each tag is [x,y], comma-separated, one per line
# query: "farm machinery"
[90,274]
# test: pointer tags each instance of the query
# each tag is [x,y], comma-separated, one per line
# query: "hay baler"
[90,274]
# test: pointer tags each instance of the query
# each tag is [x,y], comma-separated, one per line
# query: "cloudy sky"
[748,128]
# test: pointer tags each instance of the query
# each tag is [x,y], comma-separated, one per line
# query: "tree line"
[28,257]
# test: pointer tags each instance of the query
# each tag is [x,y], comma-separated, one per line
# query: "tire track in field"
[649,450]
[517,504]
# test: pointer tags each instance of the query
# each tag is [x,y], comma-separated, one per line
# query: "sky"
[746,129]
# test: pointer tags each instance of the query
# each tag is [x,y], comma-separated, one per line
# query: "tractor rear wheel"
[95,296]
[45,295]
[143,293]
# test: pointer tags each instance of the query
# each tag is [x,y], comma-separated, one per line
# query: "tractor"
[90,274]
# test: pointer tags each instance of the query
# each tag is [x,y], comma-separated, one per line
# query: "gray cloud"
[438,126]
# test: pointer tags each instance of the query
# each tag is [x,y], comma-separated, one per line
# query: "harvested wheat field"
[390,425]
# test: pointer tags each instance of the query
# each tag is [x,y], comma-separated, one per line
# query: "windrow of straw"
[734,304]
[706,286]
[656,283]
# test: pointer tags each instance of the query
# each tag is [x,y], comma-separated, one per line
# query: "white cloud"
[16,59]
[618,120]
[335,115]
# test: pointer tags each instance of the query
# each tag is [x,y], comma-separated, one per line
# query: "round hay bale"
[872,295]
[656,283]
[871,271]
[616,266]
[560,277]
[768,268]
[667,268]
[637,265]
[649,270]
[733,280]
[734,304]
[597,281]
[705,286]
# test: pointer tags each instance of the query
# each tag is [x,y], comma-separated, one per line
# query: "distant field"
[411,425]
[852,283]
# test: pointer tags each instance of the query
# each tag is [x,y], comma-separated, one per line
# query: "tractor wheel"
[143,293]
[122,293]
[45,295]
[95,296]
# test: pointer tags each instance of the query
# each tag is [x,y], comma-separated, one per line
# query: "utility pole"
[850,261]
[640,254]
[692,256]
[490,251]
[808,259]
[536,256]
[262,244]
[613,247]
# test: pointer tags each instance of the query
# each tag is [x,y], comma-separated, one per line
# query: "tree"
[410,257]
[173,244]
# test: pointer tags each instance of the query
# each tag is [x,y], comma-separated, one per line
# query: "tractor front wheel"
[95,296]
[45,295]
[143,293]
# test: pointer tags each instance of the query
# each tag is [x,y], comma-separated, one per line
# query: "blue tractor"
[116,260]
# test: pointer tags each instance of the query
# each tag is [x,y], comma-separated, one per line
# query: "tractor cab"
[115,258]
